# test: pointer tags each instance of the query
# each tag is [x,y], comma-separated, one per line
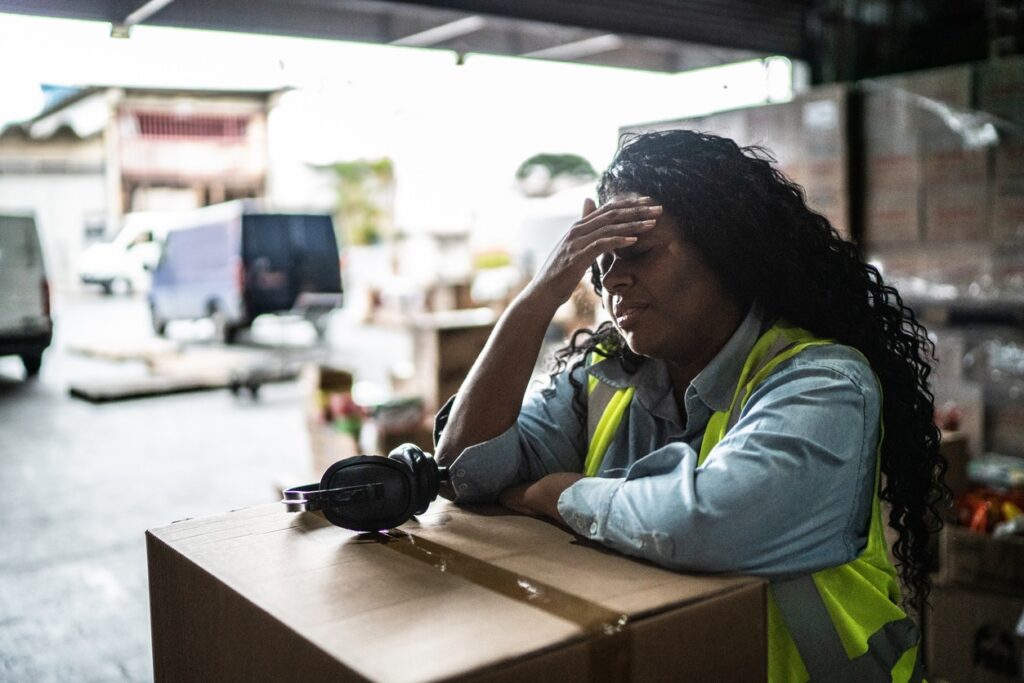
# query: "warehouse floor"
[83,481]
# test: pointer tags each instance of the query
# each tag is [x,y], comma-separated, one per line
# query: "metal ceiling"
[647,34]
[838,39]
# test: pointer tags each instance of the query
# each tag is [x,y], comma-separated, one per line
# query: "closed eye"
[604,261]
[633,252]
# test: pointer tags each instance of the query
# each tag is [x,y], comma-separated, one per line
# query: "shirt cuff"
[586,504]
[483,471]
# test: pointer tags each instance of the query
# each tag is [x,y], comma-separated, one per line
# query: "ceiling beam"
[578,49]
[123,28]
[774,27]
[442,33]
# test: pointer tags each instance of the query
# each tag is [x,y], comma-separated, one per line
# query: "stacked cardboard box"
[974,625]
[892,172]
[974,636]
[445,345]
[808,137]
[1001,97]
[820,152]
[458,594]
[926,170]
[954,161]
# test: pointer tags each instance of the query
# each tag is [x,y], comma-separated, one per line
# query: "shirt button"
[463,487]
[461,472]
[593,527]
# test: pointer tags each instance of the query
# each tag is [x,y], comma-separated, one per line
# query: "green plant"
[365,190]
[557,165]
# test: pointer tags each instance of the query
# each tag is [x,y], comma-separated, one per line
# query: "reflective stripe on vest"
[609,405]
[887,651]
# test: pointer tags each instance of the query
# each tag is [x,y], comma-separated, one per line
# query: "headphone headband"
[369,493]
[311,497]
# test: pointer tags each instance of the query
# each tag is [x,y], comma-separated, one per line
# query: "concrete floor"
[82,482]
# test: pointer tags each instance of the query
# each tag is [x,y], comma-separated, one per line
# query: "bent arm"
[489,400]
[788,489]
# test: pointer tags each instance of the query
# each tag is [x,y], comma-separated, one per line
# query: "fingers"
[616,230]
[619,212]
[514,498]
[589,207]
[605,245]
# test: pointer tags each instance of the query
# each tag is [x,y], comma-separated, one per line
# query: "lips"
[627,312]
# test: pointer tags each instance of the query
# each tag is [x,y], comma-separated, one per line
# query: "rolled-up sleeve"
[788,489]
[548,437]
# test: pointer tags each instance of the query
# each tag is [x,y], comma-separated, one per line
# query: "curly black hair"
[753,227]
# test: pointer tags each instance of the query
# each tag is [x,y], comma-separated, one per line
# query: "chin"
[636,344]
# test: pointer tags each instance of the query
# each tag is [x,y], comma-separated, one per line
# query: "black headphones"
[370,493]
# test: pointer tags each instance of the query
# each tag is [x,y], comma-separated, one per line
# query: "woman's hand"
[615,225]
[539,497]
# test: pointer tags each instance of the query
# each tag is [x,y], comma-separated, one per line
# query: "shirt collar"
[714,385]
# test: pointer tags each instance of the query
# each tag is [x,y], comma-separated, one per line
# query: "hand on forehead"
[627,198]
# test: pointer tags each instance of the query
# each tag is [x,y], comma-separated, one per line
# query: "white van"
[123,264]
[238,260]
[25,324]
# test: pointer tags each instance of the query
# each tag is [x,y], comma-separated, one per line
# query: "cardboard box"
[981,562]
[891,215]
[917,167]
[445,346]
[328,442]
[888,116]
[1001,88]
[1005,428]
[956,212]
[889,171]
[954,449]
[1008,191]
[467,595]
[807,136]
[973,636]
[955,167]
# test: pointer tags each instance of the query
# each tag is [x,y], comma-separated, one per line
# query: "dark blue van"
[232,262]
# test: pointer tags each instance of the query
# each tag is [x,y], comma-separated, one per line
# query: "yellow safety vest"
[838,624]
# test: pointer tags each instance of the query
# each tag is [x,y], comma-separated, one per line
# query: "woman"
[757,393]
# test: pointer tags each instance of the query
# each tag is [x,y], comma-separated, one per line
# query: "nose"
[618,275]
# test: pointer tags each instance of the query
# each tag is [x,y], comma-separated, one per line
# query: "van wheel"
[159,324]
[32,362]
[230,334]
[224,332]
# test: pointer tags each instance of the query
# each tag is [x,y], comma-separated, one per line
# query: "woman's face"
[664,298]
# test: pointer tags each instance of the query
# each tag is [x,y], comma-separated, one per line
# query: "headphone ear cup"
[395,493]
[424,472]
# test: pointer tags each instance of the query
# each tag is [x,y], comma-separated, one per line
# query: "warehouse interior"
[146,446]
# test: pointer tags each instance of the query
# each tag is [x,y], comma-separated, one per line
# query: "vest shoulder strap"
[606,406]
[774,347]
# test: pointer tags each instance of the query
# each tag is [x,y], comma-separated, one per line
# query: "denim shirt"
[787,490]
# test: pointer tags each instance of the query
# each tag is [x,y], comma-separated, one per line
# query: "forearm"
[490,398]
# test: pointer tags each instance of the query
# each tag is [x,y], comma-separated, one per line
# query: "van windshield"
[18,243]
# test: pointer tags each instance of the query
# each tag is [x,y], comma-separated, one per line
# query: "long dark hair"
[753,227]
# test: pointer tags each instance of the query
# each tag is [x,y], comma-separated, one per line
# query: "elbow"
[693,543]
